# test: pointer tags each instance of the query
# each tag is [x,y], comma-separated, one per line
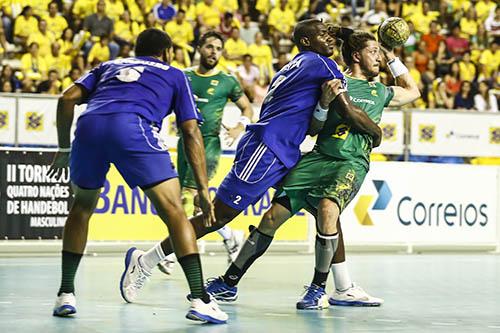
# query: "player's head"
[210,47]
[360,49]
[154,43]
[312,35]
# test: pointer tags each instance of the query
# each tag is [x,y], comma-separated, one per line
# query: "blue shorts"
[128,141]
[256,168]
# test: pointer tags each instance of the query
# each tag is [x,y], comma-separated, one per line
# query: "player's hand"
[207,208]
[330,90]
[232,133]
[59,166]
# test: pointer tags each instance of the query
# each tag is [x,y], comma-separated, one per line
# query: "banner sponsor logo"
[495,135]
[34,121]
[362,206]
[459,135]
[389,132]
[4,119]
[427,133]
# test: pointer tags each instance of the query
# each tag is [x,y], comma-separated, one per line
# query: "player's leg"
[325,246]
[346,292]
[74,242]
[224,287]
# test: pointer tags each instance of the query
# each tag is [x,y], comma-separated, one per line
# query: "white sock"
[225,232]
[171,257]
[341,276]
[152,257]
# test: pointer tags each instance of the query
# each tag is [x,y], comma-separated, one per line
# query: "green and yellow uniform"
[338,164]
[211,93]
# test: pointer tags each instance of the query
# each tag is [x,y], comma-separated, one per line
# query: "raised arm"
[246,118]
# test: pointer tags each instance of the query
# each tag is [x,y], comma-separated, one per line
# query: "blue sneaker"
[314,298]
[65,305]
[218,289]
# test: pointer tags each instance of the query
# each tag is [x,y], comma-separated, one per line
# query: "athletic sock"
[152,257]
[320,278]
[191,265]
[255,246]
[225,232]
[70,262]
[341,276]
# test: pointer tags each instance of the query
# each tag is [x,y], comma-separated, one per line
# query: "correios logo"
[364,202]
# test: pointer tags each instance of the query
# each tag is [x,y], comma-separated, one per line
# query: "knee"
[328,215]
[269,224]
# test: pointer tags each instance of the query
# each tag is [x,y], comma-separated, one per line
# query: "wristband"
[245,121]
[320,113]
[397,67]
[64,150]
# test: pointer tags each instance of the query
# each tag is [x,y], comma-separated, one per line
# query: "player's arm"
[72,96]
[406,89]
[246,118]
[329,91]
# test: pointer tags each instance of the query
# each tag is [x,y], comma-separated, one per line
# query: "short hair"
[305,28]
[210,34]
[152,42]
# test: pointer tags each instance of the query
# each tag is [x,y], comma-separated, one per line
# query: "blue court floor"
[423,293]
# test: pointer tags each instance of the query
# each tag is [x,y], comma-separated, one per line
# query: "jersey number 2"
[279,80]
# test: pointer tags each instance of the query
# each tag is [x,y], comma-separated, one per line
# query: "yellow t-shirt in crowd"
[484,9]
[411,9]
[66,82]
[190,12]
[24,27]
[422,22]
[135,11]
[235,48]
[209,14]
[281,20]
[44,42]
[99,52]
[457,5]
[490,60]
[299,7]
[263,6]
[262,57]
[40,7]
[467,71]
[468,27]
[127,31]
[60,63]
[114,9]
[82,8]
[177,65]
[34,68]
[227,6]
[181,34]
[56,24]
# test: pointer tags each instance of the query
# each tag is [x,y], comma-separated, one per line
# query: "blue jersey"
[289,104]
[140,85]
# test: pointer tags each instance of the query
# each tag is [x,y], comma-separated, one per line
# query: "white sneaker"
[65,305]
[167,265]
[207,313]
[354,296]
[233,245]
[134,276]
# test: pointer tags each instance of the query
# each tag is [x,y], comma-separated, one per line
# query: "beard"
[205,63]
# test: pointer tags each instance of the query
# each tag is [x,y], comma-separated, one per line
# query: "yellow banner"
[125,214]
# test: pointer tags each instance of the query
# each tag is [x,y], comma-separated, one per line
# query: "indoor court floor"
[423,293]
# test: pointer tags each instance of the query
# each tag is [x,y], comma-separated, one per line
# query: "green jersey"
[211,94]
[336,138]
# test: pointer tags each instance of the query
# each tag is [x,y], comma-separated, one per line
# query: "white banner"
[36,121]
[455,133]
[393,133]
[7,120]
[419,203]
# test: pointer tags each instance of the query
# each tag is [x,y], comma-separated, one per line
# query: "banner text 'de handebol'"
[125,214]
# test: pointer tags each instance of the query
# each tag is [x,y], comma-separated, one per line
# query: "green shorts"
[213,151]
[319,176]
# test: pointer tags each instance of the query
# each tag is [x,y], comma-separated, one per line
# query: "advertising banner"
[444,133]
[36,121]
[32,205]
[7,120]
[403,202]
[393,132]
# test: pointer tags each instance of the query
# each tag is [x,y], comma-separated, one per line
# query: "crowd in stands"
[452,51]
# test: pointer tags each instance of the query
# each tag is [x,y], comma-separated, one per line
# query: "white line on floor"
[388,320]
[444,324]
[5,302]
[277,314]
[493,326]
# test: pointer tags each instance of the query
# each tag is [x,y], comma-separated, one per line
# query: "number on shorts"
[130,74]
[279,80]
[237,200]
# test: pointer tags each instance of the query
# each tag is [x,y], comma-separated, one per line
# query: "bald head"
[305,29]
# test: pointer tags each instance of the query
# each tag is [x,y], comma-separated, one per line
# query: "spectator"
[422,19]
[281,21]
[73,75]
[83,8]
[56,60]
[56,23]
[228,6]
[8,75]
[99,25]
[489,60]
[484,8]
[468,23]
[208,15]
[152,22]
[467,68]
[43,37]
[263,58]
[6,87]
[227,24]
[464,99]
[282,61]
[137,10]
[114,9]
[179,60]
[492,23]
[485,100]
[99,52]
[439,97]
[375,16]
[164,11]
[452,79]
[181,33]
[456,44]
[50,86]
[410,7]
[443,59]
[125,29]
[190,10]
[421,57]
[234,49]
[428,77]
[248,75]
[125,50]
[32,64]
[25,25]
[433,38]
[248,30]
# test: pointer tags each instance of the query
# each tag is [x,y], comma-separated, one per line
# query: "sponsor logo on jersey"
[211,91]
[362,100]
[341,131]
[374,93]
[214,83]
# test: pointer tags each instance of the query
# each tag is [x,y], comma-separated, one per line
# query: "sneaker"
[134,276]
[314,298]
[65,305]
[167,265]
[207,313]
[233,245]
[219,290]
[354,296]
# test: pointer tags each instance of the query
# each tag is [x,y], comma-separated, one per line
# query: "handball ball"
[394,32]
